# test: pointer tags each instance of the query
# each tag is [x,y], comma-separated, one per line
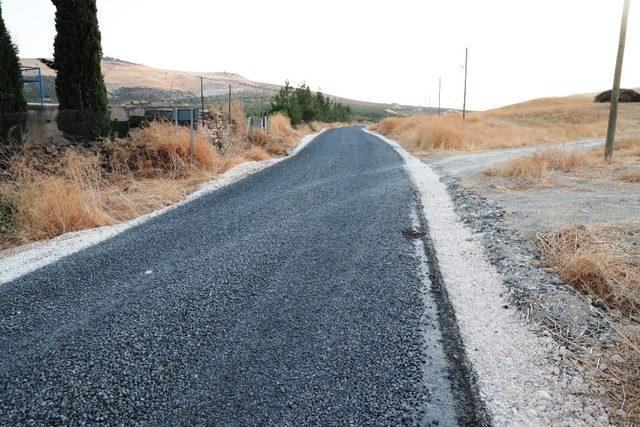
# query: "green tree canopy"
[12,103]
[301,105]
[79,82]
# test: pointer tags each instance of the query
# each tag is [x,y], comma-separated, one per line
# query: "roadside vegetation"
[529,123]
[598,260]
[12,103]
[536,169]
[44,196]
[301,105]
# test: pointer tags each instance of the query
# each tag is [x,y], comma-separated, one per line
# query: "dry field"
[44,197]
[537,169]
[535,122]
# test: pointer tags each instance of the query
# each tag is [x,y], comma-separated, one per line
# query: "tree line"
[83,110]
[301,105]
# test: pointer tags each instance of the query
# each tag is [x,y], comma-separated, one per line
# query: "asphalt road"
[290,297]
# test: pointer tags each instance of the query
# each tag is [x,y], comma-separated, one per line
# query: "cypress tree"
[12,103]
[83,111]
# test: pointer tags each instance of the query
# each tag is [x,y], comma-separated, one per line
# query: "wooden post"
[439,90]
[615,93]
[464,103]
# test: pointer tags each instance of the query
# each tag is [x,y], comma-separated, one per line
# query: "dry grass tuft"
[534,169]
[255,153]
[158,150]
[596,263]
[280,125]
[631,176]
[596,260]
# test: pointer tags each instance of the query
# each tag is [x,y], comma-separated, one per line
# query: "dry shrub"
[596,263]
[258,137]
[533,122]
[280,126]
[49,205]
[254,153]
[282,134]
[239,117]
[388,125]
[631,176]
[158,150]
[534,168]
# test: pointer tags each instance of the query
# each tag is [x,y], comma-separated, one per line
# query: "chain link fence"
[46,126]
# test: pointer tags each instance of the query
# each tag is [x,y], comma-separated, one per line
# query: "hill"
[128,82]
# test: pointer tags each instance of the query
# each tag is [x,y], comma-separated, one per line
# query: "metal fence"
[51,126]
[47,125]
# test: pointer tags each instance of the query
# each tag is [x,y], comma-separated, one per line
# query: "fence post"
[191,139]
[175,118]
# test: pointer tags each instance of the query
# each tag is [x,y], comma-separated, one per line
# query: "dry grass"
[632,176]
[599,262]
[281,134]
[126,178]
[539,121]
[280,125]
[595,262]
[534,169]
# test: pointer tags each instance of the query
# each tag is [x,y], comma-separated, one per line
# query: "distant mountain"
[128,82]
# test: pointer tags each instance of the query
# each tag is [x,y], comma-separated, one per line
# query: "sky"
[383,51]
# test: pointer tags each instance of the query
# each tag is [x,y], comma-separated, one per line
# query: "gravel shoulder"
[522,374]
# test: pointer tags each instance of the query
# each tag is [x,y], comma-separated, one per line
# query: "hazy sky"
[391,51]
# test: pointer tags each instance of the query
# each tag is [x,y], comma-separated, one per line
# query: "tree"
[12,103]
[301,105]
[83,111]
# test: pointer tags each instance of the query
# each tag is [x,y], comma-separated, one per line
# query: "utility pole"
[464,103]
[615,93]
[429,110]
[229,106]
[439,91]
[201,101]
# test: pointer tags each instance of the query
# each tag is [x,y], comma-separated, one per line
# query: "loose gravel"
[289,297]
[521,378]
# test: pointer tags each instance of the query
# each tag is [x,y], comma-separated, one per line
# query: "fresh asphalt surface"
[290,297]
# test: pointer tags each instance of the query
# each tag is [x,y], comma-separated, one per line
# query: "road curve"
[290,297]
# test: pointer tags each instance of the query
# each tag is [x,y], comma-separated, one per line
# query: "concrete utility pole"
[439,90]
[464,103]
[615,93]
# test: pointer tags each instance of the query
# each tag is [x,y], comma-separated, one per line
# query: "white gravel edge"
[16,262]
[521,380]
